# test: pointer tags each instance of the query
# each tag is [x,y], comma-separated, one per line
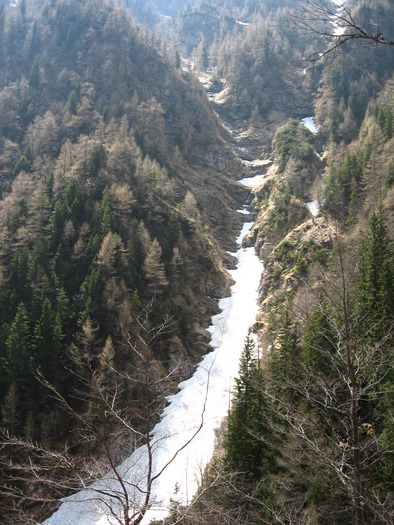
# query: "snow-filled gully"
[202,398]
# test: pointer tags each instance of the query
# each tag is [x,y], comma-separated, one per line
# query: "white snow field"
[309,123]
[253,181]
[202,398]
[313,207]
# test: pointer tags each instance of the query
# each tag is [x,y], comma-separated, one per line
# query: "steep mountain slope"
[309,438]
[118,189]
[118,195]
[248,45]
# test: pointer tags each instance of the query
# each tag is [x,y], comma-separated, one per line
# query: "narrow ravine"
[203,400]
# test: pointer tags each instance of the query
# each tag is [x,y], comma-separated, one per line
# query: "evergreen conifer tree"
[285,363]
[376,285]
[18,347]
[48,343]
[246,451]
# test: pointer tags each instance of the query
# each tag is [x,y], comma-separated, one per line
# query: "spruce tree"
[319,342]
[48,343]
[249,449]
[376,283]
[285,363]
[18,347]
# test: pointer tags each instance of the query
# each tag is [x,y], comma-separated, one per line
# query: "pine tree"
[376,263]
[204,59]
[107,375]
[18,347]
[248,446]
[319,342]
[73,102]
[48,343]
[112,254]
[107,218]
[91,291]
[375,309]
[34,76]
[176,267]
[88,339]
[285,363]
[35,41]
[18,275]
[10,409]
[247,367]
[57,221]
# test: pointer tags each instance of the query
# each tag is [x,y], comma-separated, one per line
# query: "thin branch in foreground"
[336,26]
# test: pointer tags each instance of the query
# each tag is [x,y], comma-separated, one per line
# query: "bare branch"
[100,421]
[335,26]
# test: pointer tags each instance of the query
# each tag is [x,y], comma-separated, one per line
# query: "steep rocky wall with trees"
[114,174]
[117,185]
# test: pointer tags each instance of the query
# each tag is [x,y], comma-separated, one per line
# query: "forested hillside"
[122,129]
[309,437]
[114,174]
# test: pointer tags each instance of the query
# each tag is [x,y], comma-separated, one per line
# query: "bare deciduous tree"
[333,425]
[336,24]
[104,432]
[325,416]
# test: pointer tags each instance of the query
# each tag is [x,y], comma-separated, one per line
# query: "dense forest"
[107,211]
[98,215]
[118,199]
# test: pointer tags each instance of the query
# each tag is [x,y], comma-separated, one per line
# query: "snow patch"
[309,123]
[313,207]
[205,79]
[182,417]
[252,182]
[339,26]
[242,23]
[220,98]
